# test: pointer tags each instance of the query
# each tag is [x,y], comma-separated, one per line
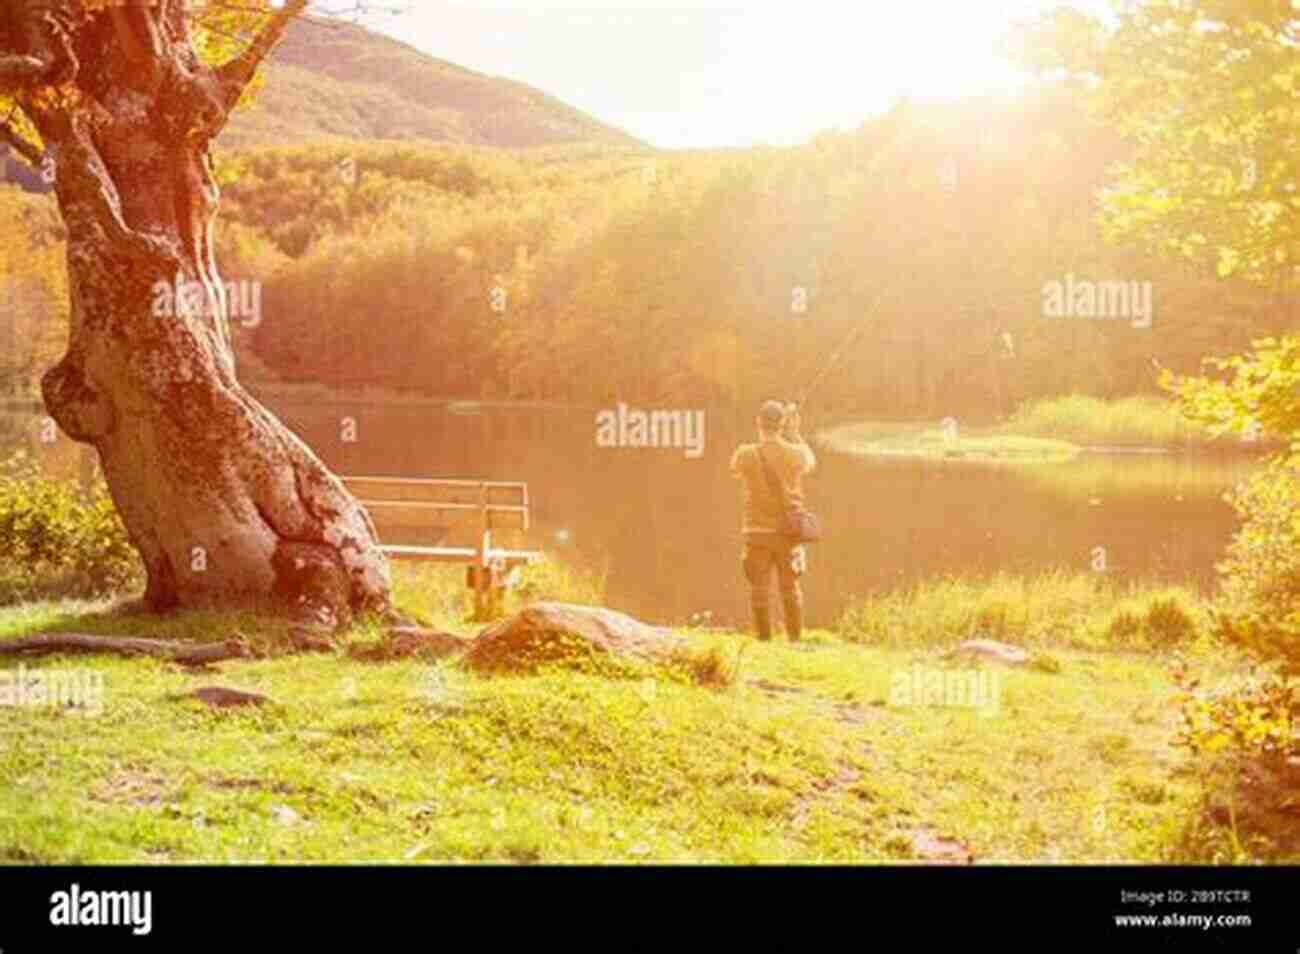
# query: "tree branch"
[90,187]
[239,72]
[129,33]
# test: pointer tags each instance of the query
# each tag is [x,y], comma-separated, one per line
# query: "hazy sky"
[718,73]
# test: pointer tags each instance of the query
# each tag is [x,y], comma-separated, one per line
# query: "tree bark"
[225,505]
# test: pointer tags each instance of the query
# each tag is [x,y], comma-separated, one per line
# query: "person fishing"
[771,474]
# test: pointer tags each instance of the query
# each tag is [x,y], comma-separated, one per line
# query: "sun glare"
[718,74]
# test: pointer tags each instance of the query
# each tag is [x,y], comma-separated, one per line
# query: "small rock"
[991,650]
[221,698]
[406,642]
[285,815]
[772,687]
[940,850]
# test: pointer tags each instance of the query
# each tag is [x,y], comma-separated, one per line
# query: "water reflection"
[665,527]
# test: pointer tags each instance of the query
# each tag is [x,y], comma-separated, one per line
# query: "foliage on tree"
[926,237]
[1208,91]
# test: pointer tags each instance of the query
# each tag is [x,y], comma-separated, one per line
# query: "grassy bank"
[1052,429]
[1139,421]
[805,754]
[1051,611]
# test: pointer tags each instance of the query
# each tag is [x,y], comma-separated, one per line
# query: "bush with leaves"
[1255,718]
[1163,622]
[1252,396]
[1259,607]
[54,543]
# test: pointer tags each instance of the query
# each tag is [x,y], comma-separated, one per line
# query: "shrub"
[1162,623]
[1259,605]
[703,667]
[1167,623]
[1252,720]
[54,544]
[1125,627]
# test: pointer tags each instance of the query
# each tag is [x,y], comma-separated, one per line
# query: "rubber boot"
[793,617]
[763,623]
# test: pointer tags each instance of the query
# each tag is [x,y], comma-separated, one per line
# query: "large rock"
[556,632]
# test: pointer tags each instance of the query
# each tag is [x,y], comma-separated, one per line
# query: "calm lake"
[664,525]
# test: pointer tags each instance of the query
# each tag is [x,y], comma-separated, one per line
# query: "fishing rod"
[801,402]
[835,357]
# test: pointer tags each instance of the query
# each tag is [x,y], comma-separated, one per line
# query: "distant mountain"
[343,81]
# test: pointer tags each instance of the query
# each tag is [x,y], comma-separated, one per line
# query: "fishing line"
[825,372]
[834,360]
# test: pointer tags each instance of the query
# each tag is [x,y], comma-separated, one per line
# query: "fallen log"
[219,697]
[184,653]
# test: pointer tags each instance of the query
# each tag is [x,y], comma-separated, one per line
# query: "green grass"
[799,755]
[427,763]
[1132,421]
[437,596]
[1054,610]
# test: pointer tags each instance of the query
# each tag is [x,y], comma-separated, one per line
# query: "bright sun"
[727,72]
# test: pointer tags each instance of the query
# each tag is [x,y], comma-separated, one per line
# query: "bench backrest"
[443,512]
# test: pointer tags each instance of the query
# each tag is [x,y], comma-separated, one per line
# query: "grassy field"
[837,750]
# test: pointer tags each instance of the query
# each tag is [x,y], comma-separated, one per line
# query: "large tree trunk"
[226,506]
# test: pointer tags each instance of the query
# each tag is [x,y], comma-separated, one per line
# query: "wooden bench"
[477,522]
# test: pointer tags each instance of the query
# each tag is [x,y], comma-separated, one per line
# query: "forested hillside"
[342,80]
[593,274]
[597,272]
